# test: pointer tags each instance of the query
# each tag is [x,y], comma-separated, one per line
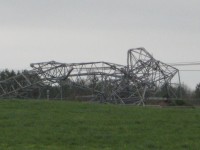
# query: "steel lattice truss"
[106,82]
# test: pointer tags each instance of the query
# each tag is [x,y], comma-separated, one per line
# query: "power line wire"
[185,63]
[189,70]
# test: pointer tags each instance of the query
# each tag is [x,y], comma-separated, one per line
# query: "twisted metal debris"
[106,82]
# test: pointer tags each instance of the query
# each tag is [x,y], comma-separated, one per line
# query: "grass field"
[59,125]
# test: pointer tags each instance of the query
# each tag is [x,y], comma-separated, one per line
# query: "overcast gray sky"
[94,30]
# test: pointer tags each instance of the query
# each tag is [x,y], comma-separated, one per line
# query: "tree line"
[71,92]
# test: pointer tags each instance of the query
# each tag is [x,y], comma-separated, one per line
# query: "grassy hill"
[57,125]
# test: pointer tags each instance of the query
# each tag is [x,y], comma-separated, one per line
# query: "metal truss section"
[150,72]
[104,81]
[12,85]
[51,72]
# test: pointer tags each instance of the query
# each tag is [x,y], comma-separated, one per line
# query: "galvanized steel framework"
[107,82]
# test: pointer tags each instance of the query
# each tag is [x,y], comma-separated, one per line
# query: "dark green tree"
[197,91]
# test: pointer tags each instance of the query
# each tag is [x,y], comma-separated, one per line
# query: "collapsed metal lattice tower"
[107,82]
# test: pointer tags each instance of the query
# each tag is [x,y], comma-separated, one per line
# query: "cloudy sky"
[94,30]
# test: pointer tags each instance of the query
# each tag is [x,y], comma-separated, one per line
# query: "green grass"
[57,125]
